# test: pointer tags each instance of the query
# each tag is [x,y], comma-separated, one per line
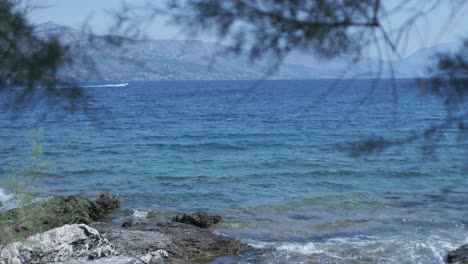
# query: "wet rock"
[101,206]
[199,219]
[59,245]
[138,218]
[108,202]
[151,215]
[459,255]
[127,223]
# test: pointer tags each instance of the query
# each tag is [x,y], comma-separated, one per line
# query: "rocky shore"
[19,223]
[458,256]
[71,232]
[178,242]
[107,243]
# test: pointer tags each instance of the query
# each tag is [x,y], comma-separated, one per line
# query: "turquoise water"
[265,157]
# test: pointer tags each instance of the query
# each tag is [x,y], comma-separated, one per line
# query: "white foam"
[396,249]
[261,245]
[305,249]
[140,214]
[4,197]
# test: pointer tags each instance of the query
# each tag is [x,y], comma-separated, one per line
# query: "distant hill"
[412,66]
[114,58]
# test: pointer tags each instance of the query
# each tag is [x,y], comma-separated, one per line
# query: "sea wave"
[366,249]
[140,214]
[6,200]
[306,249]
[4,197]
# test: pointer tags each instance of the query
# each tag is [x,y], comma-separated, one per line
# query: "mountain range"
[115,58]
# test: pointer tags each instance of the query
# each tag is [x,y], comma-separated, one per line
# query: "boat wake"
[106,85]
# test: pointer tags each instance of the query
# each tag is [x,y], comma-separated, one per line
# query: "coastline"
[85,232]
[101,238]
[272,172]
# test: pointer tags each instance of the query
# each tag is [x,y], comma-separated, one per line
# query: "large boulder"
[458,256]
[59,245]
[199,219]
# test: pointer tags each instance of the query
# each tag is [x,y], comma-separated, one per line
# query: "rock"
[151,215]
[101,206]
[108,202]
[459,255]
[59,245]
[156,257]
[15,260]
[108,243]
[199,219]
[183,243]
[134,222]
[127,223]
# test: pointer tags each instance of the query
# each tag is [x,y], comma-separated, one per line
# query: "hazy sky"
[431,30]
[95,13]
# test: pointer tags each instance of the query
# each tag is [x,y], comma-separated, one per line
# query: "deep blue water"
[264,156]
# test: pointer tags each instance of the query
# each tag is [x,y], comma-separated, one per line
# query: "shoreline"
[84,231]
[99,235]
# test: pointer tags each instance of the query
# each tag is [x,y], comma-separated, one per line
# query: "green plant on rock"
[22,186]
[30,216]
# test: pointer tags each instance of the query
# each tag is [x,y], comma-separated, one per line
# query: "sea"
[270,156]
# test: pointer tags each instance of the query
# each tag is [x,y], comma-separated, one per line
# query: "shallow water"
[266,158]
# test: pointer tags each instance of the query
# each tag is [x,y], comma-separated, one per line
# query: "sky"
[97,14]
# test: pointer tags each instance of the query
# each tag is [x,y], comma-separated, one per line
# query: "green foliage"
[21,183]
[28,62]
[450,80]
[22,186]
[30,216]
[44,215]
[329,28]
